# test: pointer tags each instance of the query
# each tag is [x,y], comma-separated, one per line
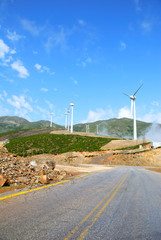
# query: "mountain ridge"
[10,123]
[113,127]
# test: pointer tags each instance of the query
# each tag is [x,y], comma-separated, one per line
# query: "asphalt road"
[124,203]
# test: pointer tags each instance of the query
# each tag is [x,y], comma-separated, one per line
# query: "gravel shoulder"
[83,168]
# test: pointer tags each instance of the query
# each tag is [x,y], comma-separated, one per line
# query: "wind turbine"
[51,122]
[68,112]
[133,112]
[71,128]
[66,116]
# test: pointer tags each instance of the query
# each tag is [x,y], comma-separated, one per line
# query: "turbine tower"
[71,128]
[133,112]
[51,121]
[66,118]
[68,112]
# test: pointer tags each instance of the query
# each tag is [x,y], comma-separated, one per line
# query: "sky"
[54,52]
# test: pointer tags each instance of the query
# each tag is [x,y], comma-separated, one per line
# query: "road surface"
[123,203]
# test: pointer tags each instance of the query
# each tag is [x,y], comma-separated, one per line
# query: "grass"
[55,144]
[12,132]
[134,147]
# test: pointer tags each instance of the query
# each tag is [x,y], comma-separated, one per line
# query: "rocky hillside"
[15,170]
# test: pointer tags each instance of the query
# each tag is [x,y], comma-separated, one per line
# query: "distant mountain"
[114,127]
[8,123]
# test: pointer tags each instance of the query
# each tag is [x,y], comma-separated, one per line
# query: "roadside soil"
[154,169]
[118,144]
[83,168]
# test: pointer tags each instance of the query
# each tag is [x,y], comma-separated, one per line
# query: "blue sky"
[53,52]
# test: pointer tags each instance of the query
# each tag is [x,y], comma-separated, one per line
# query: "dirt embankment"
[42,169]
[119,144]
[151,158]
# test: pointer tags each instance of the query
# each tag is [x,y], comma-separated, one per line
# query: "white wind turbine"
[71,105]
[133,112]
[66,119]
[68,112]
[51,121]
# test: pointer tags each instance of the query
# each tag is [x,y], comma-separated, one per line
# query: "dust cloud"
[154,133]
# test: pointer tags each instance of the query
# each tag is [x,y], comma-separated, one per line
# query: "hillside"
[8,123]
[114,127]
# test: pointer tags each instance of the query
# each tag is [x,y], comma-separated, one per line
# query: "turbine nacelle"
[132,97]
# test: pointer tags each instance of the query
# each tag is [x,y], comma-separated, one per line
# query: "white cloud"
[81,22]
[155,103]
[137,5]
[51,106]
[35,52]
[13,51]
[46,69]
[57,38]
[19,102]
[22,107]
[124,112]
[38,66]
[13,36]
[41,68]
[3,111]
[146,26]
[5,93]
[4,49]
[18,66]
[122,46]
[31,27]
[152,117]
[44,112]
[7,60]
[99,114]
[84,62]
[1,97]
[44,89]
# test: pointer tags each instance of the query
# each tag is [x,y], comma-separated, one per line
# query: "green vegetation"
[134,147]
[10,132]
[54,144]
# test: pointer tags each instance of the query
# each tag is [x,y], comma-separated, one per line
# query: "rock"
[51,164]
[44,179]
[4,181]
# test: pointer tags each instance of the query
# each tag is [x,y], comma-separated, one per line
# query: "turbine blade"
[137,90]
[126,95]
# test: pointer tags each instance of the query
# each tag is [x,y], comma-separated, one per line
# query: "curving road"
[124,203]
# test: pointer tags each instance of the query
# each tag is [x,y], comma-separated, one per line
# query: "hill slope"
[114,127]
[8,123]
